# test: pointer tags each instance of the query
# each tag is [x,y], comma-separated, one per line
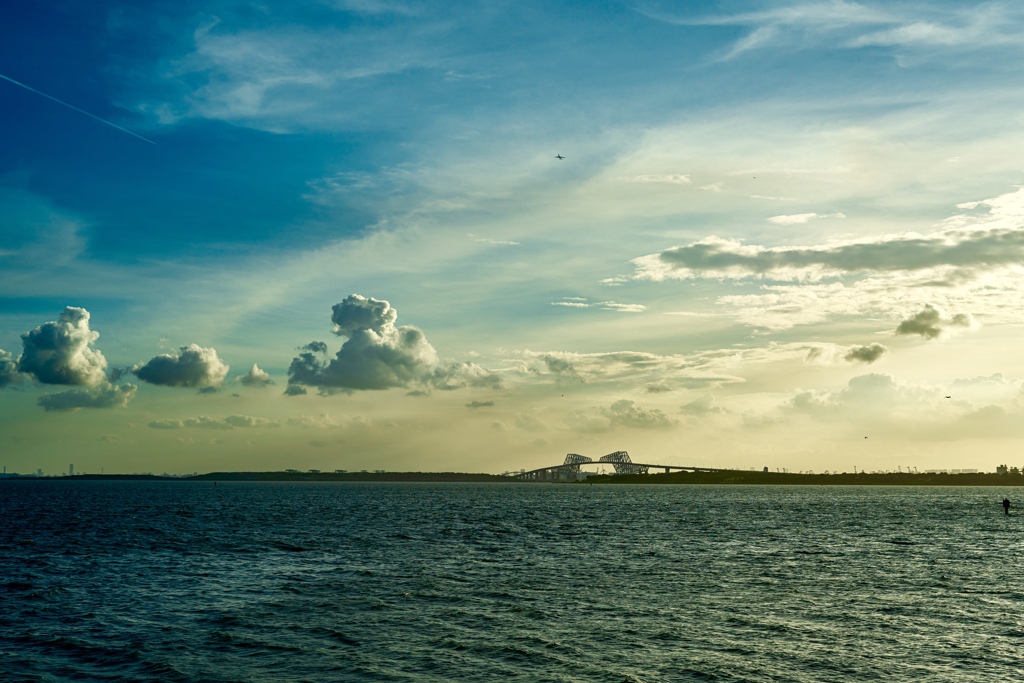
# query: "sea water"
[187,581]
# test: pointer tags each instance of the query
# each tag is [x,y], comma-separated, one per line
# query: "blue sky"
[779,228]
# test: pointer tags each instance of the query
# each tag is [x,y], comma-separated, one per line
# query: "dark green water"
[179,581]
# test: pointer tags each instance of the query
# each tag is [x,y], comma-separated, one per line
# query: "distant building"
[71,470]
[291,471]
[340,471]
[314,471]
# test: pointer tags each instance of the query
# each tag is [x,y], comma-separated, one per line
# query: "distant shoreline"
[731,477]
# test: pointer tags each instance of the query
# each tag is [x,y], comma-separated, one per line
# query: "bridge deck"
[575,467]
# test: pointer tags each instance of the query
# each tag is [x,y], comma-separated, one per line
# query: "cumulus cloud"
[204,422]
[621,413]
[321,421]
[256,377]
[9,370]
[627,413]
[866,354]
[932,322]
[247,421]
[193,366]
[61,352]
[452,375]
[103,396]
[995,379]
[379,354]
[705,405]
[877,396]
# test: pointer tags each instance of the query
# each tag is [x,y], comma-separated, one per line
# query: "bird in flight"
[559,156]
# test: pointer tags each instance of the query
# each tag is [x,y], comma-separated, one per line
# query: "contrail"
[80,111]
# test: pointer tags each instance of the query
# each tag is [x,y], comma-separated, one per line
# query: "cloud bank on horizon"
[726,268]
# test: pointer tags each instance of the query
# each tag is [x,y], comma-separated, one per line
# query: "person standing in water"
[1006,505]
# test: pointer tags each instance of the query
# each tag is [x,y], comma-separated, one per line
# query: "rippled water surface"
[186,581]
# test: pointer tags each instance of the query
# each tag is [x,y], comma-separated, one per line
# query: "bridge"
[619,460]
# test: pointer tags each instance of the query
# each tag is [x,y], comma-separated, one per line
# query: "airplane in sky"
[559,156]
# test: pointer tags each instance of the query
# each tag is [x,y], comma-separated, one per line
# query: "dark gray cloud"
[866,354]
[61,352]
[561,367]
[193,366]
[256,377]
[715,257]
[103,396]
[480,404]
[932,322]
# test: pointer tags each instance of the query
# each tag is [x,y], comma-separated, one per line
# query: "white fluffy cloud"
[61,352]
[705,405]
[621,413]
[453,375]
[379,354]
[878,396]
[256,377]
[8,369]
[204,422]
[193,366]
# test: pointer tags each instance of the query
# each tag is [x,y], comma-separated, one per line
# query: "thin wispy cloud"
[850,25]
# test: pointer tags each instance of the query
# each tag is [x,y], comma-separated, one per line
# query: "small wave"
[16,586]
[336,636]
[281,545]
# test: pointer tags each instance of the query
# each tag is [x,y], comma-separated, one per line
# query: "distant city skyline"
[475,237]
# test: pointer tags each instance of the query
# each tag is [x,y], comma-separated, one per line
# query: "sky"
[335,234]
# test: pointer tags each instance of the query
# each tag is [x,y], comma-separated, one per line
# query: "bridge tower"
[622,464]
